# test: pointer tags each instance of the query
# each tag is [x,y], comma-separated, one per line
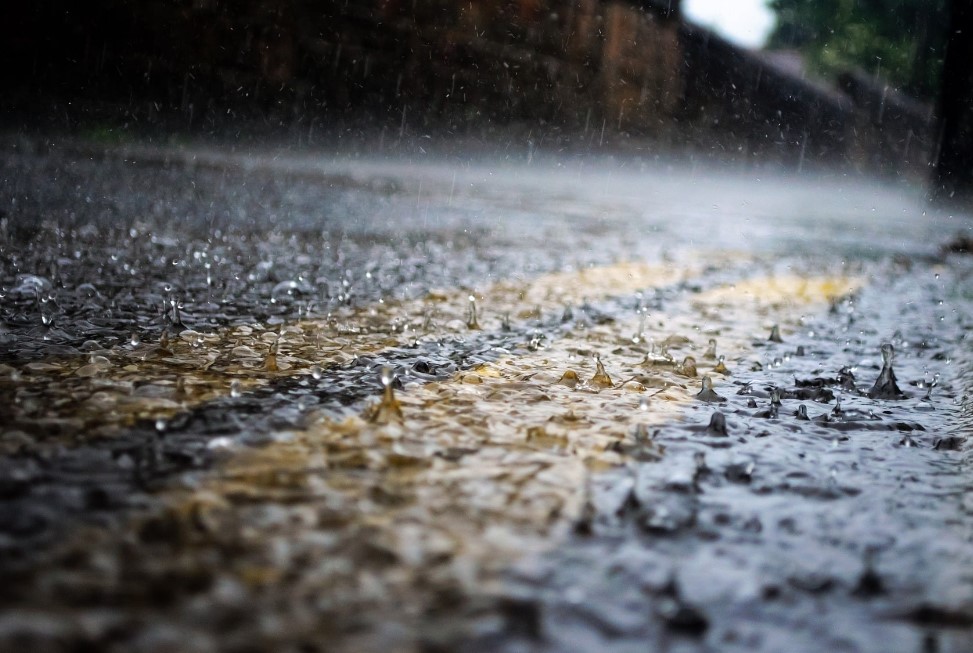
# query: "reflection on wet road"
[625,406]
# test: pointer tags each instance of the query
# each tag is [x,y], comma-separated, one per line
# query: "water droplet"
[640,334]
[707,393]
[134,339]
[388,409]
[644,404]
[601,378]
[160,425]
[164,343]
[885,386]
[801,413]
[235,391]
[316,372]
[270,362]
[711,350]
[688,367]
[717,424]
[721,366]
[569,379]
[775,334]
[471,321]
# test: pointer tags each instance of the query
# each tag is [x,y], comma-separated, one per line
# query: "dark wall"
[581,72]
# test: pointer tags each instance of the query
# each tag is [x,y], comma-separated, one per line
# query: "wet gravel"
[848,530]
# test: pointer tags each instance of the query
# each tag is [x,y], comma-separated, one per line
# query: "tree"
[903,41]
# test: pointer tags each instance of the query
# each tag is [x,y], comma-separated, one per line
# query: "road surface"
[278,400]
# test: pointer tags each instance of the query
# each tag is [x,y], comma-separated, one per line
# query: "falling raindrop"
[471,322]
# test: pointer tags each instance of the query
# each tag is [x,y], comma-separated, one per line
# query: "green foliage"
[904,41]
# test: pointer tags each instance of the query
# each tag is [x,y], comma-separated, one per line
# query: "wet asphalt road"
[849,530]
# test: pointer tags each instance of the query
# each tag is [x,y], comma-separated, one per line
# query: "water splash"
[717,424]
[601,378]
[388,410]
[885,386]
[688,367]
[775,334]
[471,322]
[270,362]
[707,393]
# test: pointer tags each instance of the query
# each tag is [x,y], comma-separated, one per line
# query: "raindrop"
[711,350]
[471,322]
[569,379]
[688,367]
[717,424]
[601,378]
[235,390]
[160,425]
[885,386]
[837,412]
[164,343]
[388,409]
[707,393]
[134,339]
[270,362]
[316,372]
[775,334]
[644,404]
[640,334]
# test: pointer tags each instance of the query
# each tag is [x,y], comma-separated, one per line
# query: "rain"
[485,326]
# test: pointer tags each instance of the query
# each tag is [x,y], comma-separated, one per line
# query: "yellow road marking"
[485,468]
[89,397]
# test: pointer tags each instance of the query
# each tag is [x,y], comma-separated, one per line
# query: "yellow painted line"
[87,397]
[481,470]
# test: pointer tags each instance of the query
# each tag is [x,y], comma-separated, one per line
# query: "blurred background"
[852,85]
